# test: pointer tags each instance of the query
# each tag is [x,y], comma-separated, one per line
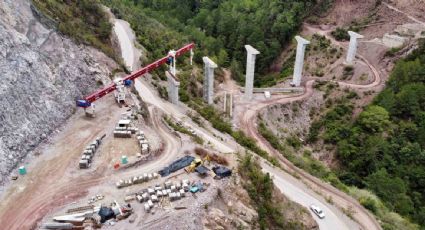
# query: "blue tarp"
[176,165]
[105,214]
[222,171]
[202,170]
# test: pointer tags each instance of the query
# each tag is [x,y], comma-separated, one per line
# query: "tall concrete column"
[299,60]
[173,88]
[352,48]
[209,67]
[250,69]
[231,105]
[225,102]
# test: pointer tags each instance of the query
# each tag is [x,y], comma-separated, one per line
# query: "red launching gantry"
[120,83]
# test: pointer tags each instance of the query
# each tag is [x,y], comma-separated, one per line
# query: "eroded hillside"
[42,73]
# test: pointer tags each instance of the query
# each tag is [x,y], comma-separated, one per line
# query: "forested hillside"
[85,21]
[384,150]
[220,28]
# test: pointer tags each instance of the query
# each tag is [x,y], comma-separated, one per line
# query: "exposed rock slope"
[42,73]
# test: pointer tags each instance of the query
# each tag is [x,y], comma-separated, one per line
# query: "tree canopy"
[222,28]
[385,148]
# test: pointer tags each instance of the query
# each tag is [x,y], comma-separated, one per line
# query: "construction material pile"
[137,180]
[124,129]
[176,165]
[88,153]
[92,216]
[174,191]
[143,143]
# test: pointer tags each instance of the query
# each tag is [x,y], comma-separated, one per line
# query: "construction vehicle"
[207,159]
[197,162]
[119,84]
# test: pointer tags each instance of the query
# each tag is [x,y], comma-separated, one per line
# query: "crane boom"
[86,102]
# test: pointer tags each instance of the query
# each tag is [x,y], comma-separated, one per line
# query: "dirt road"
[248,125]
[49,182]
[406,14]
[53,179]
[299,193]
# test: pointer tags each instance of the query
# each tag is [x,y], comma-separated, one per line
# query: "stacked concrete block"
[88,153]
[137,180]
[174,191]
[143,143]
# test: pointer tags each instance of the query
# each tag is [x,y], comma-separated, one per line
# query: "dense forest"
[384,149]
[220,28]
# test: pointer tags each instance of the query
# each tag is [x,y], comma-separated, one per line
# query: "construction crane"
[119,84]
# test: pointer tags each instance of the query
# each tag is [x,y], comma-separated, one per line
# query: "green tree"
[374,119]
[390,189]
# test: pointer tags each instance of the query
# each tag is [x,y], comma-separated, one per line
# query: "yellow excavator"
[197,162]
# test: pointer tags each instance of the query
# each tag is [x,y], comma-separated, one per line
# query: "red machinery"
[86,102]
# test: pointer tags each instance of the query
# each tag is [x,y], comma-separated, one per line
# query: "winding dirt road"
[50,183]
[248,125]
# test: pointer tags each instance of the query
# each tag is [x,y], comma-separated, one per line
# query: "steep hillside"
[220,28]
[85,21]
[384,150]
[42,75]
[369,139]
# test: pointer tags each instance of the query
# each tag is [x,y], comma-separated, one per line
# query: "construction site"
[128,159]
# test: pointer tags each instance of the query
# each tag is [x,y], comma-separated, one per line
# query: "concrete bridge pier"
[299,60]
[250,70]
[209,67]
[173,88]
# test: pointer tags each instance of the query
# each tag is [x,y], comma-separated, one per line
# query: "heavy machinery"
[119,84]
[197,162]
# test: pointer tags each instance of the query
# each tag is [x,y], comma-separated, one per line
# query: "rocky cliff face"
[41,74]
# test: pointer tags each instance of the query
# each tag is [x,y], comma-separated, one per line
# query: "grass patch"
[181,129]
[390,220]
[218,122]
[393,51]
[305,161]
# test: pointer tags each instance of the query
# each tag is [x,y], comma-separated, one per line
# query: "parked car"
[318,211]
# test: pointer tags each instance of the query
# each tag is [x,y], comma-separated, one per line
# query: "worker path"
[126,45]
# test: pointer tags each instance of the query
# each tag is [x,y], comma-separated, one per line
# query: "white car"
[318,211]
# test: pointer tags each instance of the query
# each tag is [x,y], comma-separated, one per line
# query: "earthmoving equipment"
[119,84]
[207,159]
[195,163]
